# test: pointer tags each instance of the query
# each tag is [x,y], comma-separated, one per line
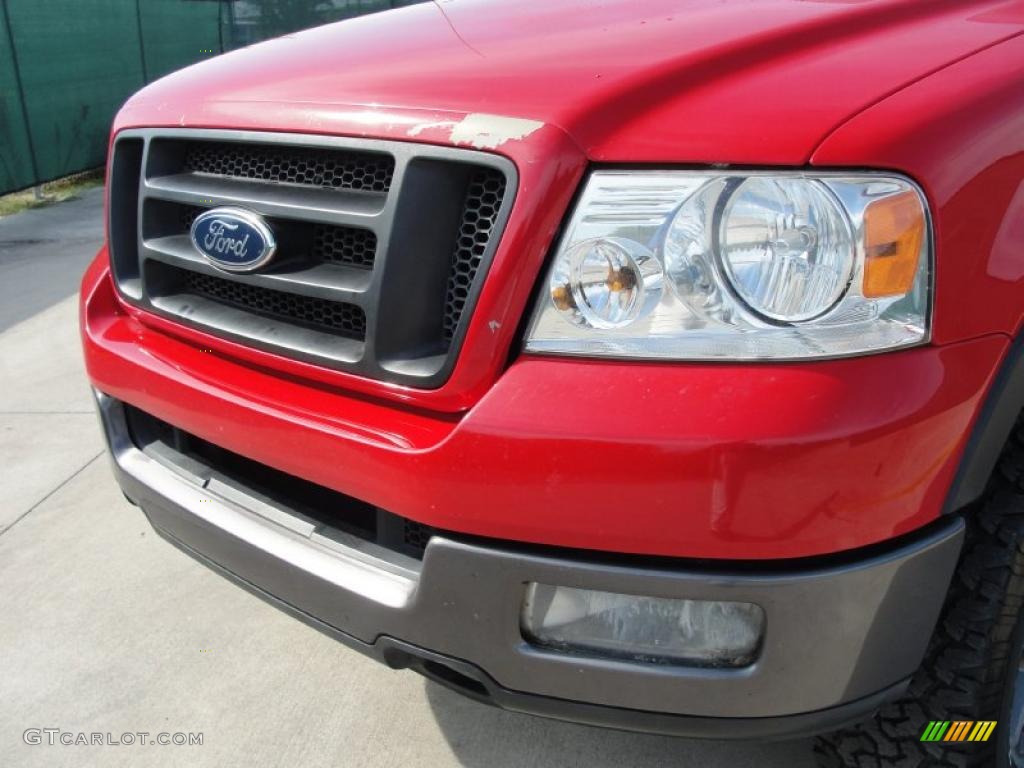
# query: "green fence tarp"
[249,22]
[15,158]
[176,33]
[76,69]
[79,60]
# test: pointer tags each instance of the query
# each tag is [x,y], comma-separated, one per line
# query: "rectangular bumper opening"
[332,514]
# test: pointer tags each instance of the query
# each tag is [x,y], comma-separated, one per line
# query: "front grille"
[330,510]
[331,316]
[369,171]
[382,246]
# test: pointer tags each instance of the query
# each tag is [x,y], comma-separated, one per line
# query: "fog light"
[642,629]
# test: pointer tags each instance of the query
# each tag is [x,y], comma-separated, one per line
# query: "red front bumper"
[749,461]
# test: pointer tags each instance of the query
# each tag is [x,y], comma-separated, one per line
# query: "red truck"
[653,366]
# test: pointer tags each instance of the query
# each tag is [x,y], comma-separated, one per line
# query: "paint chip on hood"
[483,131]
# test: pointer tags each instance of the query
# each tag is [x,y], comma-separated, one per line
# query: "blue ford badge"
[233,239]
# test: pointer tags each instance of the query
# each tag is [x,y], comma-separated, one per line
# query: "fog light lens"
[652,630]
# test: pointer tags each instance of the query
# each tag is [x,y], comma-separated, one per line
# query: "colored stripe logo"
[959,730]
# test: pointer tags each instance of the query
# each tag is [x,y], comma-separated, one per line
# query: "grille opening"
[416,535]
[305,166]
[328,508]
[446,238]
[123,224]
[187,215]
[344,245]
[484,195]
[452,678]
[319,314]
[299,243]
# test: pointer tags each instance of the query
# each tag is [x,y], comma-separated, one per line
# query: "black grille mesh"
[331,316]
[333,169]
[479,213]
[416,535]
[344,245]
[187,214]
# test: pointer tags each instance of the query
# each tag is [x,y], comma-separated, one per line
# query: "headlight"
[694,266]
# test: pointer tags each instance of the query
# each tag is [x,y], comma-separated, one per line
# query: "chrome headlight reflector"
[738,265]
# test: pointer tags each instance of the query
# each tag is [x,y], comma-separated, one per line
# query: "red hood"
[737,81]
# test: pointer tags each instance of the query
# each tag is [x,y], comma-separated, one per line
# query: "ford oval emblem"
[233,239]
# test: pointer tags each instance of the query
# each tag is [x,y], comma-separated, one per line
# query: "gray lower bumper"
[840,637]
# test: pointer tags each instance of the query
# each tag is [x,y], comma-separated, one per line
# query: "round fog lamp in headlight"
[786,247]
[606,282]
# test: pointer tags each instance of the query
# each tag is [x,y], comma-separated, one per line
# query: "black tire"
[970,668]
[1011,718]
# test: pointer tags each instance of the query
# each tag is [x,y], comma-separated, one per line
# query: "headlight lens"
[786,247]
[757,265]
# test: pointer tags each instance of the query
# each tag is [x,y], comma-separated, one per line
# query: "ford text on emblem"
[233,239]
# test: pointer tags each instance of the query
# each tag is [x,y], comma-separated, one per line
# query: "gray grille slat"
[319,282]
[374,274]
[335,258]
[175,249]
[309,346]
[300,203]
[346,319]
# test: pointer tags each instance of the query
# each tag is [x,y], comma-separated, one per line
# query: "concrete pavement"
[106,628]
[43,252]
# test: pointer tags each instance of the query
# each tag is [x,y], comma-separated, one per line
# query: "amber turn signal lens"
[893,234]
